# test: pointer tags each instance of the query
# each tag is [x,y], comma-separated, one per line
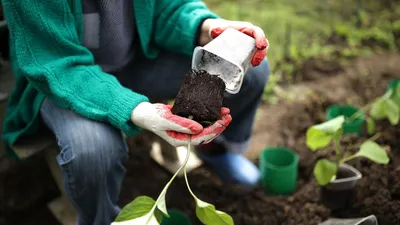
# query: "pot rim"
[357,176]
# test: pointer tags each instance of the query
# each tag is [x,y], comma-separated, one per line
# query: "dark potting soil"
[201,96]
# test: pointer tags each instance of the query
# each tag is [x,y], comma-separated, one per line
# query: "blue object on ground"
[233,168]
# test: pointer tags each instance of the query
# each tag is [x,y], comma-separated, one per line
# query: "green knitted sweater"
[48,60]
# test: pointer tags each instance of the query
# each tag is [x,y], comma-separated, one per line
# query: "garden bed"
[284,124]
[378,192]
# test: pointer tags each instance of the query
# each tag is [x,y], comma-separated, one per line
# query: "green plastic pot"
[349,127]
[393,84]
[176,218]
[279,169]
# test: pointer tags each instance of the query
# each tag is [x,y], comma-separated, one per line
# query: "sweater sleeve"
[49,54]
[177,24]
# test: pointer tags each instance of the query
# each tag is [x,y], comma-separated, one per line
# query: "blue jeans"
[92,153]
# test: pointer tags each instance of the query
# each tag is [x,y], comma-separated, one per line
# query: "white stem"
[176,173]
[184,170]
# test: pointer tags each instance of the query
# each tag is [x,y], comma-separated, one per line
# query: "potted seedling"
[386,106]
[217,67]
[337,178]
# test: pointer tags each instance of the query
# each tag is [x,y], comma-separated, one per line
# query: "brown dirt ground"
[285,124]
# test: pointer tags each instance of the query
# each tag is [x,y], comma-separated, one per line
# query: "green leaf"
[137,208]
[370,126]
[377,110]
[207,214]
[316,139]
[140,212]
[392,111]
[319,136]
[148,219]
[331,126]
[373,152]
[324,171]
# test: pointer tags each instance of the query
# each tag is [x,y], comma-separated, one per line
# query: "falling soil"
[201,96]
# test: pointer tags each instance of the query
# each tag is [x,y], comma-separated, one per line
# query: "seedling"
[146,211]
[386,106]
[322,135]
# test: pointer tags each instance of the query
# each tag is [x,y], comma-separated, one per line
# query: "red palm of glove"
[159,119]
[249,29]
[206,135]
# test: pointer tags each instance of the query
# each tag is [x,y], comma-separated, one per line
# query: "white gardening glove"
[174,129]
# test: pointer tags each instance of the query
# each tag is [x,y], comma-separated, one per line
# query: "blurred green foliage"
[332,30]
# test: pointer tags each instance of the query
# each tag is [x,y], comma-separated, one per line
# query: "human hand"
[212,28]
[174,129]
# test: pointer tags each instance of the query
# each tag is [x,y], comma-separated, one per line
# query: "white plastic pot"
[369,220]
[228,56]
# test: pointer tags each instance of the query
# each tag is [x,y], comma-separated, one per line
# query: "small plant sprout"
[322,135]
[146,211]
[386,106]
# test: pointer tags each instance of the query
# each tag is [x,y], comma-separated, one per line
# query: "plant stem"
[337,150]
[183,166]
[386,96]
[359,112]
[184,170]
[189,149]
[350,157]
[373,138]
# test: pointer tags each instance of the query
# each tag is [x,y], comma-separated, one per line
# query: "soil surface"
[201,96]
[378,192]
[283,124]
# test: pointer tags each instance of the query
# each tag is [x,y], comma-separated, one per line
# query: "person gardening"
[87,70]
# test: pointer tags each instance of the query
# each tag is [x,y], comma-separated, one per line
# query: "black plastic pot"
[339,192]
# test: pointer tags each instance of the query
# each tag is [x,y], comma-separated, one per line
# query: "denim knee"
[90,151]
[259,75]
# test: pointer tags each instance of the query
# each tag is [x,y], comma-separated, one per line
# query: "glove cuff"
[137,115]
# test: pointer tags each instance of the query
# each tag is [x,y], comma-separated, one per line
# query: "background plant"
[322,135]
[386,106]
